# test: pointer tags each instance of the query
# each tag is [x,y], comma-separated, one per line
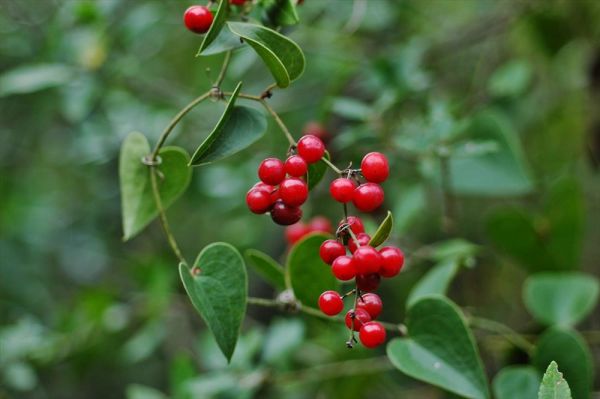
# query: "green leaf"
[456,248]
[215,28]
[560,298]
[441,349]
[410,204]
[137,200]
[553,385]
[316,172]
[217,286]
[137,391]
[383,231]
[238,128]
[281,13]
[510,79]
[267,267]
[567,348]
[436,281]
[225,41]
[282,56]
[31,78]
[306,273]
[516,382]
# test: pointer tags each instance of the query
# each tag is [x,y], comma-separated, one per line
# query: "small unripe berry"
[367,260]
[372,334]
[295,166]
[285,215]
[198,19]
[368,197]
[293,191]
[342,189]
[271,171]
[361,316]
[371,303]
[362,239]
[343,268]
[368,282]
[392,261]
[374,167]
[311,148]
[330,250]
[295,232]
[258,201]
[330,303]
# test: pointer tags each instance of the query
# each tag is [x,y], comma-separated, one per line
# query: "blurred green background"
[488,110]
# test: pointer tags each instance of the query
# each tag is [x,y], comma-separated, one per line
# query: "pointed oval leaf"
[215,27]
[218,288]
[306,273]
[553,385]
[316,172]
[383,231]
[137,200]
[441,349]
[282,56]
[516,382]
[569,349]
[268,268]
[560,298]
[436,281]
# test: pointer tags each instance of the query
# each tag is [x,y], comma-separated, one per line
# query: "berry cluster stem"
[223,69]
[282,125]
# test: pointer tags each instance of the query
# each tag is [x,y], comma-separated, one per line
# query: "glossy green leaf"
[435,281]
[225,41]
[220,17]
[31,78]
[440,349]
[516,382]
[383,231]
[281,13]
[560,298]
[316,172]
[218,286]
[238,128]
[267,267]
[307,274]
[282,56]
[570,351]
[137,200]
[553,385]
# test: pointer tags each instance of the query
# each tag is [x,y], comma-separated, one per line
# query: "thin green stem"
[501,329]
[332,166]
[223,69]
[175,121]
[282,125]
[243,95]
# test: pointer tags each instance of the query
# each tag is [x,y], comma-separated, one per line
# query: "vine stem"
[223,69]
[332,166]
[508,333]
[282,125]
[165,134]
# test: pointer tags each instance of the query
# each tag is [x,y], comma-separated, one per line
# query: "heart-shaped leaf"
[137,200]
[216,26]
[267,268]
[570,351]
[383,231]
[217,286]
[436,281]
[282,56]
[553,385]
[516,382]
[560,298]
[316,172]
[441,349]
[306,273]
[238,128]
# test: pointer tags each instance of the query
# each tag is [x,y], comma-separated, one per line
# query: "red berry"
[367,260]
[368,197]
[311,148]
[362,238]
[372,334]
[271,171]
[258,201]
[284,214]
[361,316]
[330,303]
[374,167]
[198,19]
[356,225]
[295,166]
[342,189]
[331,250]
[316,129]
[293,191]
[392,261]
[321,224]
[368,282]
[237,2]
[343,268]
[371,303]
[295,232]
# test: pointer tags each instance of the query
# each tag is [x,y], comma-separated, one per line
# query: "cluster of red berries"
[297,231]
[283,189]
[198,18]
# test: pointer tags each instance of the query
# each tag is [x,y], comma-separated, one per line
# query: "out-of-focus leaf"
[436,281]
[516,382]
[456,248]
[144,342]
[553,385]
[316,172]
[215,28]
[267,267]
[351,109]
[411,202]
[137,391]
[383,231]
[283,338]
[510,79]
[281,13]
[31,78]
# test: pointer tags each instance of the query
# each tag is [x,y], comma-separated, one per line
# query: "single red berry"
[285,215]
[293,191]
[368,197]
[356,225]
[320,224]
[258,201]
[311,148]
[237,2]
[372,334]
[392,261]
[342,189]
[316,129]
[371,303]
[367,260]
[331,250]
[368,282]
[295,232]
[343,268]
[295,166]
[271,171]
[362,239]
[198,19]
[361,316]
[330,303]
[374,167]
[274,192]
